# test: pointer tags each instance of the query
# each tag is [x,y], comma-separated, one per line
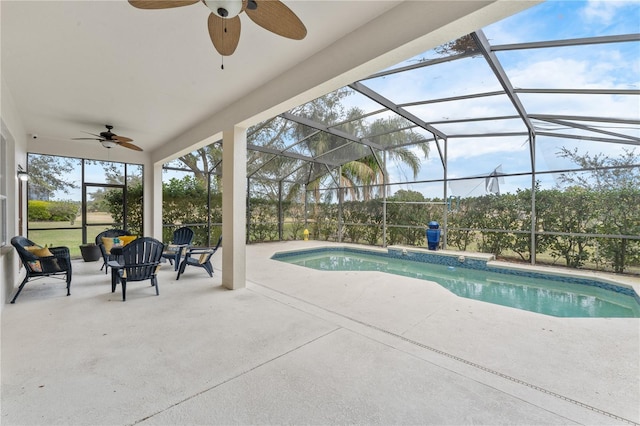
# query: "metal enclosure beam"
[328,129]
[375,96]
[501,75]
[568,42]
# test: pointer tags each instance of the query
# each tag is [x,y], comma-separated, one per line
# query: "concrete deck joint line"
[456,358]
[504,376]
[230,379]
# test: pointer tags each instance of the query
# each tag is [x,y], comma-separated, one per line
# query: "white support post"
[153,201]
[234,191]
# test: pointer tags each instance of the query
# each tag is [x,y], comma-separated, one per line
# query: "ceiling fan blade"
[87,139]
[130,146]
[224,33]
[121,138]
[275,16]
[161,4]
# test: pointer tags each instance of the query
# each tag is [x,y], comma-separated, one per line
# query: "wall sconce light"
[22,175]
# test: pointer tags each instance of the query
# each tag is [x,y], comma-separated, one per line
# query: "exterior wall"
[15,135]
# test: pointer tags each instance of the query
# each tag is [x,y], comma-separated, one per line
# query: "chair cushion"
[203,257]
[39,251]
[108,243]
[171,249]
[126,239]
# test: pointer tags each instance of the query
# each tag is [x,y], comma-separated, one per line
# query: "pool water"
[545,296]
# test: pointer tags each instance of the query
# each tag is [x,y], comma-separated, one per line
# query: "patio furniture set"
[130,258]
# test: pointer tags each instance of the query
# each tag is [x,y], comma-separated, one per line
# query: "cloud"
[602,11]
[495,147]
[576,68]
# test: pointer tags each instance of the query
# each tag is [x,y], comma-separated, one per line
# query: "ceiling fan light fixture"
[224,8]
[109,144]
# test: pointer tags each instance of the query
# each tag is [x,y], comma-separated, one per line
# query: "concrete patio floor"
[299,346]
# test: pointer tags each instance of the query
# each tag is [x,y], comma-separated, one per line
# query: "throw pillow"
[35,266]
[42,252]
[126,239]
[107,242]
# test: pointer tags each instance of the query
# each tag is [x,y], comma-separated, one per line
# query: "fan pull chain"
[222,56]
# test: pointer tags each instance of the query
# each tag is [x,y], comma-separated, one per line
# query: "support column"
[306,206]
[340,201]
[385,186]
[153,201]
[534,211]
[445,194]
[280,213]
[234,181]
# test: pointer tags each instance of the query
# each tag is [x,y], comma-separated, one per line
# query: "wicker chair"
[40,262]
[106,254]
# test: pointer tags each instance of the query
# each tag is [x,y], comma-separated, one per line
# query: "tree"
[464,44]
[184,201]
[113,200]
[362,177]
[602,172]
[572,211]
[49,174]
[279,134]
[620,216]
[467,216]
[202,161]
[502,213]
[615,186]
[406,222]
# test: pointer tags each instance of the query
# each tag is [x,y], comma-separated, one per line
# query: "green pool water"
[544,296]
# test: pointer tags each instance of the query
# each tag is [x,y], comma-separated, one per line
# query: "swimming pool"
[560,296]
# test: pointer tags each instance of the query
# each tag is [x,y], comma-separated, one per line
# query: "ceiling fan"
[109,139]
[224,20]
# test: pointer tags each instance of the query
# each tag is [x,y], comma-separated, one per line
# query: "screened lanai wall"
[519,139]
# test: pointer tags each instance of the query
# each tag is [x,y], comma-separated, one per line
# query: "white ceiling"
[74,66]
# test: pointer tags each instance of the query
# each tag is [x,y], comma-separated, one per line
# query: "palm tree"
[364,175]
[361,177]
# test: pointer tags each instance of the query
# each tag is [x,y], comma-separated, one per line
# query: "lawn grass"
[68,234]
[71,238]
